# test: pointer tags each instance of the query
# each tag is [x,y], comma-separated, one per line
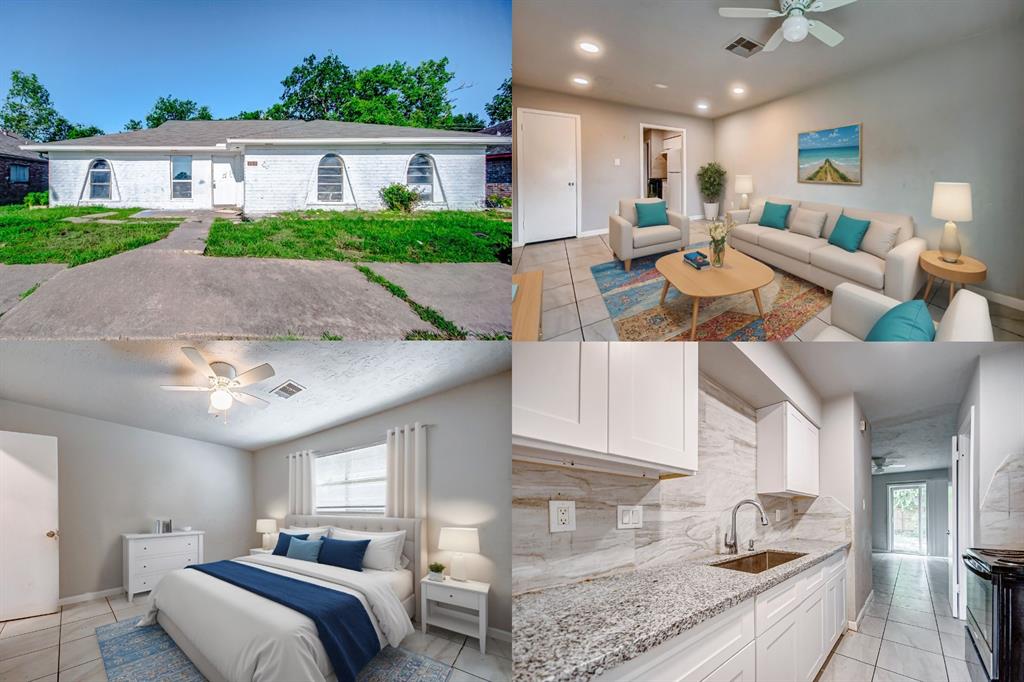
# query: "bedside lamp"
[268,527]
[951,201]
[744,186]
[459,541]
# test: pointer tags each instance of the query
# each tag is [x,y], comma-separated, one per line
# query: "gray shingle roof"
[9,143]
[209,133]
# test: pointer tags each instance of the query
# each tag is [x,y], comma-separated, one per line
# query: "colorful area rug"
[632,301]
[148,653]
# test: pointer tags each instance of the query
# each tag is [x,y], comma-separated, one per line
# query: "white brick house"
[267,166]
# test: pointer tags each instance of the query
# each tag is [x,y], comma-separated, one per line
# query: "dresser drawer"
[167,562]
[157,546]
[142,583]
[446,595]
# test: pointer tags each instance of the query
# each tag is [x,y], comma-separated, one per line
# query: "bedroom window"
[420,176]
[99,180]
[351,482]
[330,187]
[18,173]
[181,177]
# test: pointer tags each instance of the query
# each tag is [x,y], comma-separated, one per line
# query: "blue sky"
[846,136]
[105,62]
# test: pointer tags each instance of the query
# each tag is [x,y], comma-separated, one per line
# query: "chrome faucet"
[730,538]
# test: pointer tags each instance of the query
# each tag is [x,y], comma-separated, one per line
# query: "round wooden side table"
[965,270]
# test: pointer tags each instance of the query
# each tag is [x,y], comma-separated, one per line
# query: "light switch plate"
[562,515]
[629,516]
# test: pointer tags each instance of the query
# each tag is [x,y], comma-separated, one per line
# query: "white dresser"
[148,556]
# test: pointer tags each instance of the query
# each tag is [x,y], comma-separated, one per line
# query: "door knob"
[52,534]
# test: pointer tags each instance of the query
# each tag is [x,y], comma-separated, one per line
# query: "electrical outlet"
[629,516]
[618,162]
[562,515]
[778,515]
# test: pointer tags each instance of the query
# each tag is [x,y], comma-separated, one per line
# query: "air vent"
[742,46]
[287,390]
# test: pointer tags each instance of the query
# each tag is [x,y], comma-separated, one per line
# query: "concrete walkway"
[17,279]
[189,237]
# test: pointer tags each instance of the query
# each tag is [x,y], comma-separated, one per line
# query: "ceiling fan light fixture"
[589,47]
[221,399]
[795,27]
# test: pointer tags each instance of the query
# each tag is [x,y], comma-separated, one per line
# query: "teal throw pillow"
[909,321]
[849,233]
[307,550]
[651,213]
[774,215]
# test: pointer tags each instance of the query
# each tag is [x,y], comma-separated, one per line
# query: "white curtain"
[300,482]
[407,472]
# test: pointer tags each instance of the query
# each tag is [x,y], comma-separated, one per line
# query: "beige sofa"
[887,261]
[629,241]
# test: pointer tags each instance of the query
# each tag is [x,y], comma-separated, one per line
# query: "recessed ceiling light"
[580,80]
[660,85]
[589,47]
[703,106]
[738,90]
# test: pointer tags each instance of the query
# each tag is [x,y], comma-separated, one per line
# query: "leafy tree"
[133,124]
[500,107]
[78,131]
[254,115]
[29,111]
[275,112]
[465,122]
[174,109]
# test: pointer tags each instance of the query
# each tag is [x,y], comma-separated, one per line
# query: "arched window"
[420,176]
[99,179]
[330,181]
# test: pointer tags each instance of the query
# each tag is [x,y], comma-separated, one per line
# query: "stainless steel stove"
[995,614]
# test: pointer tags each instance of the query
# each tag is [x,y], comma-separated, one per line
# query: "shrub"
[711,178]
[498,201]
[398,197]
[37,199]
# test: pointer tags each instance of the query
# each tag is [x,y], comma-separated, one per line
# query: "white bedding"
[247,637]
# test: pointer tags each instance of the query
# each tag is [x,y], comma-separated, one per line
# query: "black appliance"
[995,614]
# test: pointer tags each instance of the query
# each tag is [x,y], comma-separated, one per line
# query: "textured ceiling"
[920,441]
[681,44]
[120,382]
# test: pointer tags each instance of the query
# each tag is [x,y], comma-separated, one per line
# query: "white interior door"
[953,516]
[29,554]
[964,496]
[546,183]
[226,171]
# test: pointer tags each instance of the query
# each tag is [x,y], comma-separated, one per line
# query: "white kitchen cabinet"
[787,452]
[835,607]
[742,667]
[652,402]
[776,651]
[810,634]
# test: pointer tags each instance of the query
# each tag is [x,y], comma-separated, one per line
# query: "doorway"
[547,159]
[908,518]
[227,178]
[663,165]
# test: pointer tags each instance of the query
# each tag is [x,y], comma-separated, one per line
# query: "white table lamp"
[951,201]
[744,186]
[459,541]
[268,527]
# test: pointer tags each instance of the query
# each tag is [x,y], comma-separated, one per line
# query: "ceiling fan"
[879,465]
[796,26]
[223,383]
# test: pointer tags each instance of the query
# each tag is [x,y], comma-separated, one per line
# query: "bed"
[232,635]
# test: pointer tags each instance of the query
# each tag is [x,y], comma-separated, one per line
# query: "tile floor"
[62,646]
[908,632]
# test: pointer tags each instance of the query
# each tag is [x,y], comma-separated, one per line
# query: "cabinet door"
[839,609]
[560,393]
[740,668]
[801,453]
[810,629]
[776,651]
[831,625]
[811,448]
[652,404]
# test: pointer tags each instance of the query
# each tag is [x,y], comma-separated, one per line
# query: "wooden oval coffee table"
[739,273]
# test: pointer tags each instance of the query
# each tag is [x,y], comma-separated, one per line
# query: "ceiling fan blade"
[254,375]
[748,13]
[250,400]
[774,41]
[199,362]
[184,388]
[826,5]
[824,33]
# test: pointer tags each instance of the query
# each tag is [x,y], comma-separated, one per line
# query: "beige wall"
[953,113]
[114,479]
[609,131]
[468,470]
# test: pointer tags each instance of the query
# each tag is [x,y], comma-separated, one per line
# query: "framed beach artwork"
[830,156]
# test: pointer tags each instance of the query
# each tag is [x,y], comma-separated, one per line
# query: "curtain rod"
[351,447]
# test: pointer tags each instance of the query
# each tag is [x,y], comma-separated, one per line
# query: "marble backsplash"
[1002,507]
[684,518]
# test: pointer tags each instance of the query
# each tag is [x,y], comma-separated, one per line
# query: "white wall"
[114,479]
[953,113]
[139,180]
[937,482]
[468,473]
[780,370]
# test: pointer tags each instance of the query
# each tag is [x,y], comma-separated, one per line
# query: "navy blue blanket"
[343,624]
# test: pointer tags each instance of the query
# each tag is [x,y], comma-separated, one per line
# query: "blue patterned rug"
[148,654]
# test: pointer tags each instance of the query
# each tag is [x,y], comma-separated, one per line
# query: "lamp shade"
[266,526]
[952,201]
[744,184]
[459,540]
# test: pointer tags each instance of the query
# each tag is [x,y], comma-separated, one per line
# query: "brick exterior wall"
[499,176]
[13,193]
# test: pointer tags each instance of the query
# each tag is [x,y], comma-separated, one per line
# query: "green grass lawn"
[42,235]
[425,237]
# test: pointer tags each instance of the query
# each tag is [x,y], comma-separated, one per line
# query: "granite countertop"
[576,631]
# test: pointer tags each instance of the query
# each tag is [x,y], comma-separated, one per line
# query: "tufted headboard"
[415,549]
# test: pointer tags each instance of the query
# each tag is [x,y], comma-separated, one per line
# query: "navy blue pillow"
[283,540]
[343,553]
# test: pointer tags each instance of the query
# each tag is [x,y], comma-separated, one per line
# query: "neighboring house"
[499,161]
[21,171]
[267,166]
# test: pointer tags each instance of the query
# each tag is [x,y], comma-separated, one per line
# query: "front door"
[226,180]
[29,537]
[547,178]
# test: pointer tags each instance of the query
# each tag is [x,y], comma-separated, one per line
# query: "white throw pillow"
[880,238]
[755,213]
[807,222]
[314,533]
[384,552]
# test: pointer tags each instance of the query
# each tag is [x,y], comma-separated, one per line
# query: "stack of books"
[696,259]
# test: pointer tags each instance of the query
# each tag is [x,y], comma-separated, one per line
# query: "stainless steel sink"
[759,562]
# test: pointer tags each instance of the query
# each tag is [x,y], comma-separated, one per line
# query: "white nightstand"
[467,594]
[260,550]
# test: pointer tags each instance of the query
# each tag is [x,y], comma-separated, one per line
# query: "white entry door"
[29,549]
[227,177]
[546,184]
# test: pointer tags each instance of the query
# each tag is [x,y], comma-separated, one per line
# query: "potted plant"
[711,178]
[436,571]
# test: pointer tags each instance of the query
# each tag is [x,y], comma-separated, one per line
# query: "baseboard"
[1002,299]
[699,216]
[89,596]
[503,635]
[855,624]
[592,233]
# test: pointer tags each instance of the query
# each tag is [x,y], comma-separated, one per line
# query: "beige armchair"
[629,241]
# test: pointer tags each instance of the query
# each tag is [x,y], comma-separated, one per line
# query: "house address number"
[252,163]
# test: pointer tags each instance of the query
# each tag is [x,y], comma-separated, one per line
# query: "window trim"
[341,165]
[364,511]
[109,170]
[433,176]
[191,176]
[10,174]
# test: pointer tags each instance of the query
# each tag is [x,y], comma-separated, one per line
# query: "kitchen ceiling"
[681,45]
